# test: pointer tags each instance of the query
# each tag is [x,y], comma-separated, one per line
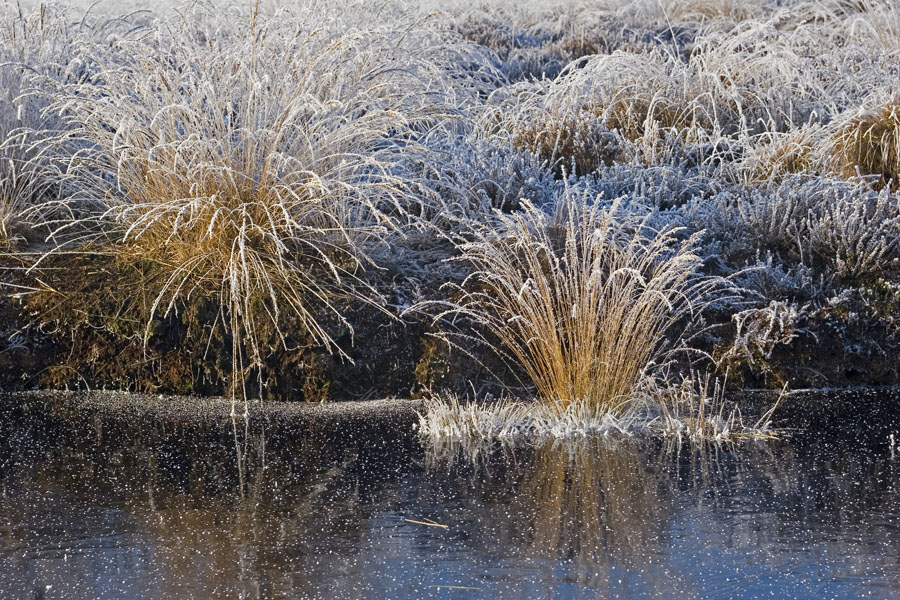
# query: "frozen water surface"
[99,504]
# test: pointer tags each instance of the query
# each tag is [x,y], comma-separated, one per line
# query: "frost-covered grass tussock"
[191,151]
[35,53]
[584,300]
[576,203]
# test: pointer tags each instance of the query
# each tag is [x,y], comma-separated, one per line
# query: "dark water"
[98,506]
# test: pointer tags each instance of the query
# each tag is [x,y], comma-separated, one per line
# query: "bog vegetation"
[584,203]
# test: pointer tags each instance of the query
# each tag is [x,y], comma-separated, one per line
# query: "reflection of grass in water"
[594,503]
[214,528]
[604,507]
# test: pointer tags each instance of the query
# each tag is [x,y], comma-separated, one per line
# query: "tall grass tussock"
[254,161]
[35,54]
[586,299]
[868,144]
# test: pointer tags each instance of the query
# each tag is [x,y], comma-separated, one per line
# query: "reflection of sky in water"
[91,509]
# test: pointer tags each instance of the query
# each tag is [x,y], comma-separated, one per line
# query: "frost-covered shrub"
[661,187]
[749,221]
[857,233]
[850,230]
[767,279]
[477,175]
[759,330]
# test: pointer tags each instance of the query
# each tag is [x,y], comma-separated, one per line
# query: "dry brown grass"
[868,144]
[252,161]
[615,130]
[583,300]
[778,155]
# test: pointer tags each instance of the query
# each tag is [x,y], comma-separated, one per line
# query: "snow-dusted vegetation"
[579,201]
